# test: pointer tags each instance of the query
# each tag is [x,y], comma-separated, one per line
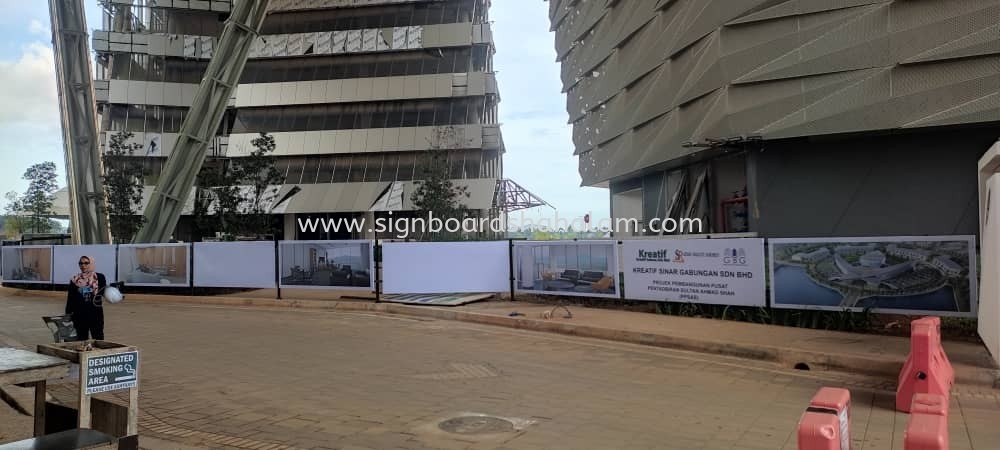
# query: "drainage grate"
[476,425]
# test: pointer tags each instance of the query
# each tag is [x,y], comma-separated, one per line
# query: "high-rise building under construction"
[357,94]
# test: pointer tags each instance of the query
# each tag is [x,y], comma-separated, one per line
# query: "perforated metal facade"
[644,77]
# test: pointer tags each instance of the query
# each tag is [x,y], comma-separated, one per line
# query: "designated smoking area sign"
[111,372]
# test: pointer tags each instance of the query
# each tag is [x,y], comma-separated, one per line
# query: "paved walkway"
[869,354]
[820,349]
[244,377]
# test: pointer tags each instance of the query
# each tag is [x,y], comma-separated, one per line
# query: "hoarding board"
[709,271]
[900,274]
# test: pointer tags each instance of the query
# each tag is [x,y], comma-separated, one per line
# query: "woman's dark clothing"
[88,315]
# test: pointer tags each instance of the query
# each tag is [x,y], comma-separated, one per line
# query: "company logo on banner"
[712,271]
[734,257]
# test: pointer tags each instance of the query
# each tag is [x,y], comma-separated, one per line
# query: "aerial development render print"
[901,274]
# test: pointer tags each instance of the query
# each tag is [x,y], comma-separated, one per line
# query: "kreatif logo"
[678,256]
[734,257]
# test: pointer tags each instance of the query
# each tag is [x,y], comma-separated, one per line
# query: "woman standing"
[83,301]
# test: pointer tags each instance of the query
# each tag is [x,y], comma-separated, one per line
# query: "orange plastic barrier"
[928,426]
[826,424]
[927,369]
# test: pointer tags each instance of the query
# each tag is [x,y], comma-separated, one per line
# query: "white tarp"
[445,267]
[708,271]
[66,257]
[234,264]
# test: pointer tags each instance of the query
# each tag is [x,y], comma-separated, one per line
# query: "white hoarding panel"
[579,268]
[988,323]
[445,267]
[165,265]
[708,271]
[28,264]
[898,274]
[338,265]
[65,259]
[234,264]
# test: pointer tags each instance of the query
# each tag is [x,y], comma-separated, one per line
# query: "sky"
[532,110]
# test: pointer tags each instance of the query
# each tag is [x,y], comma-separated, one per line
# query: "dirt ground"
[14,426]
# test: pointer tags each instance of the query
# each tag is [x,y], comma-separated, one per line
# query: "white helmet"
[113,295]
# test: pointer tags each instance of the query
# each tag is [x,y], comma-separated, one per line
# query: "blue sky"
[532,112]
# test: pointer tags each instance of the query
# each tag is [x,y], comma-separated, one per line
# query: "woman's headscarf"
[87,275]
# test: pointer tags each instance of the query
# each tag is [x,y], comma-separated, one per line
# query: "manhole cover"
[476,425]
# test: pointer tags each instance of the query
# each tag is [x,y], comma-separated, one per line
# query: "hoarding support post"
[277,270]
[191,273]
[378,269]
[510,260]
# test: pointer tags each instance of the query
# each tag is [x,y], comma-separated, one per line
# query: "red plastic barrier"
[928,426]
[819,431]
[935,405]
[927,369]
[826,423]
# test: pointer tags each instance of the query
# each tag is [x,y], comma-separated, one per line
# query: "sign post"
[104,367]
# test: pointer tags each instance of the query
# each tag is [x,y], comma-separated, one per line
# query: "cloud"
[37,27]
[29,120]
[29,93]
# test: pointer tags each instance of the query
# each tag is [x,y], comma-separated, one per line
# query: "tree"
[258,174]
[124,179]
[238,192]
[436,192]
[218,193]
[38,199]
[13,223]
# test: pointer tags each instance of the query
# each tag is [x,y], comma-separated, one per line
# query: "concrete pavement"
[225,377]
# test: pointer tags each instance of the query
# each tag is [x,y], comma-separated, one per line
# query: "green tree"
[258,174]
[38,199]
[124,179]
[234,195]
[437,195]
[14,223]
[217,207]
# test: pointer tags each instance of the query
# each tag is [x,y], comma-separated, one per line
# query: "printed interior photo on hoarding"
[567,269]
[162,264]
[326,264]
[931,275]
[32,265]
